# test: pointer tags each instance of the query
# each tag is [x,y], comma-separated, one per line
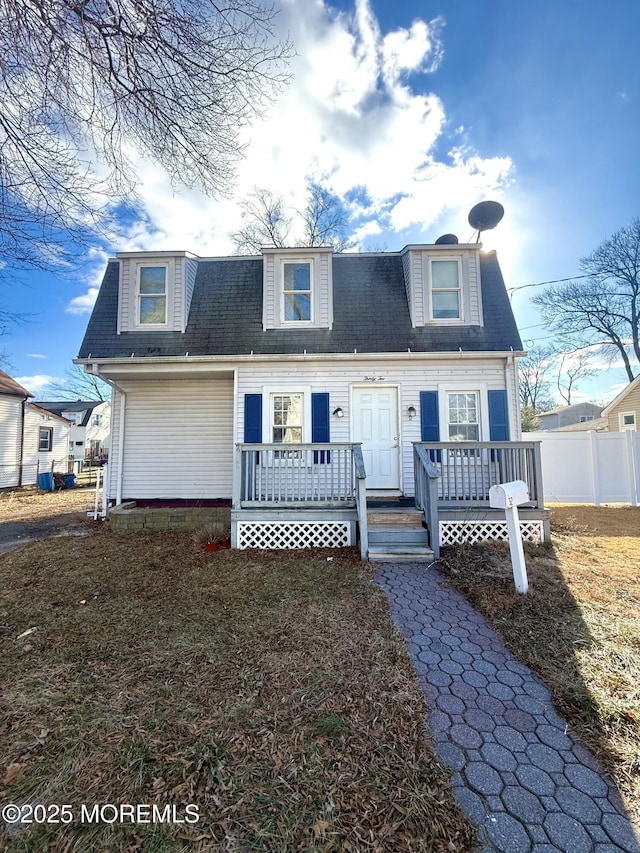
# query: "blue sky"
[430,106]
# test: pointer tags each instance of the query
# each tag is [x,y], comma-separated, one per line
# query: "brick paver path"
[519,775]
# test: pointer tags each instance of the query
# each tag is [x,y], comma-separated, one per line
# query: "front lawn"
[269,690]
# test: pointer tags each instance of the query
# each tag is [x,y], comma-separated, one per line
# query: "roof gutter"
[253,357]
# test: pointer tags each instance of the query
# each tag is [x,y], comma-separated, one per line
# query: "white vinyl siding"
[191,268]
[10,435]
[338,379]
[59,453]
[178,439]
[416,267]
[273,311]
[180,280]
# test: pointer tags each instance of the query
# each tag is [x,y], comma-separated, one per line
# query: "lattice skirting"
[293,534]
[454,532]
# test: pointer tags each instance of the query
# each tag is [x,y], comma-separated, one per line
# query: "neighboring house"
[32,440]
[46,443]
[623,413]
[595,425]
[564,416]
[90,426]
[13,398]
[296,382]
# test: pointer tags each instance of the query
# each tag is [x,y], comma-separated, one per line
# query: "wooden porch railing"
[426,480]
[467,470]
[295,475]
[361,499]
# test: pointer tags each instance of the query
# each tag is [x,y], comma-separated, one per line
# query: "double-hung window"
[286,421]
[445,289]
[45,439]
[297,289]
[463,416]
[152,295]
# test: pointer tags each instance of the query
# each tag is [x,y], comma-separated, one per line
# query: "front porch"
[315,495]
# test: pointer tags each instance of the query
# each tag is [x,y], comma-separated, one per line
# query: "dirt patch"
[26,516]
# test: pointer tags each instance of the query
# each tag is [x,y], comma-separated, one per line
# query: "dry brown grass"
[270,689]
[579,626]
[31,505]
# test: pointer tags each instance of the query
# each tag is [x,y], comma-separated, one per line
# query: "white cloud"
[356,115]
[35,384]
[96,261]
[36,355]
[83,304]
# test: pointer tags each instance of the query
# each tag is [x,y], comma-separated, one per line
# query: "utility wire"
[542,283]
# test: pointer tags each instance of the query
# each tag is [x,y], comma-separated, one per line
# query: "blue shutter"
[252,418]
[498,416]
[430,420]
[320,429]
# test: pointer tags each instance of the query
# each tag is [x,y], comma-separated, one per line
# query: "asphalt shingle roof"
[370,310]
[57,407]
[12,388]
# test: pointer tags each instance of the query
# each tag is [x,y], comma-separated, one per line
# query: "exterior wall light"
[338,412]
[411,411]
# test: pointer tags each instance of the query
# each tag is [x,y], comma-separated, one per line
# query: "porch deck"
[315,494]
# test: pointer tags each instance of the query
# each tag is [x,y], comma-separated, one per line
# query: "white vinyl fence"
[590,467]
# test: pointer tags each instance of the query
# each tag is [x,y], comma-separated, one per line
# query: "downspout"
[95,371]
[21,456]
[511,384]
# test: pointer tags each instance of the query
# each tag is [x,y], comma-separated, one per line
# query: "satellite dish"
[446,239]
[485,216]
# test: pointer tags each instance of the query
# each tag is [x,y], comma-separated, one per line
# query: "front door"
[375,424]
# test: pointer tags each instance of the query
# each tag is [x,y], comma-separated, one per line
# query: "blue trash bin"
[45,481]
[69,480]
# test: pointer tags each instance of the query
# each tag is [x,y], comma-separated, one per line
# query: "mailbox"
[506,495]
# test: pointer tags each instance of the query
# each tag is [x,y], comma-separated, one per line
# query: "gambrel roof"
[371,315]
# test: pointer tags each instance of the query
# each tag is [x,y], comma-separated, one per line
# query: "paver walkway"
[520,777]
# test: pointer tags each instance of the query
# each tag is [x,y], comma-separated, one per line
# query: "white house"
[13,398]
[90,426]
[293,381]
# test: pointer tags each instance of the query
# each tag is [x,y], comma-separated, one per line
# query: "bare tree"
[325,220]
[85,83]
[78,385]
[572,368]
[268,221]
[535,371]
[265,222]
[605,307]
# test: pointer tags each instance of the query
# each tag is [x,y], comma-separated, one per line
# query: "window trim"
[627,427]
[271,391]
[49,432]
[478,388]
[445,320]
[147,265]
[283,261]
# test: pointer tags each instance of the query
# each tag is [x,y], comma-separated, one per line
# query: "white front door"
[375,424]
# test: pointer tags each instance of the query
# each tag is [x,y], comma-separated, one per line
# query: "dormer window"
[152,295]
[445,289]
[297,284]
[297,288]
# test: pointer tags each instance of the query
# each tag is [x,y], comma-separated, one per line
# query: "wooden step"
[385,553]
[398,533]
[394,516]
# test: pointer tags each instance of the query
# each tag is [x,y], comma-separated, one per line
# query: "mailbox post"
[508,496]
